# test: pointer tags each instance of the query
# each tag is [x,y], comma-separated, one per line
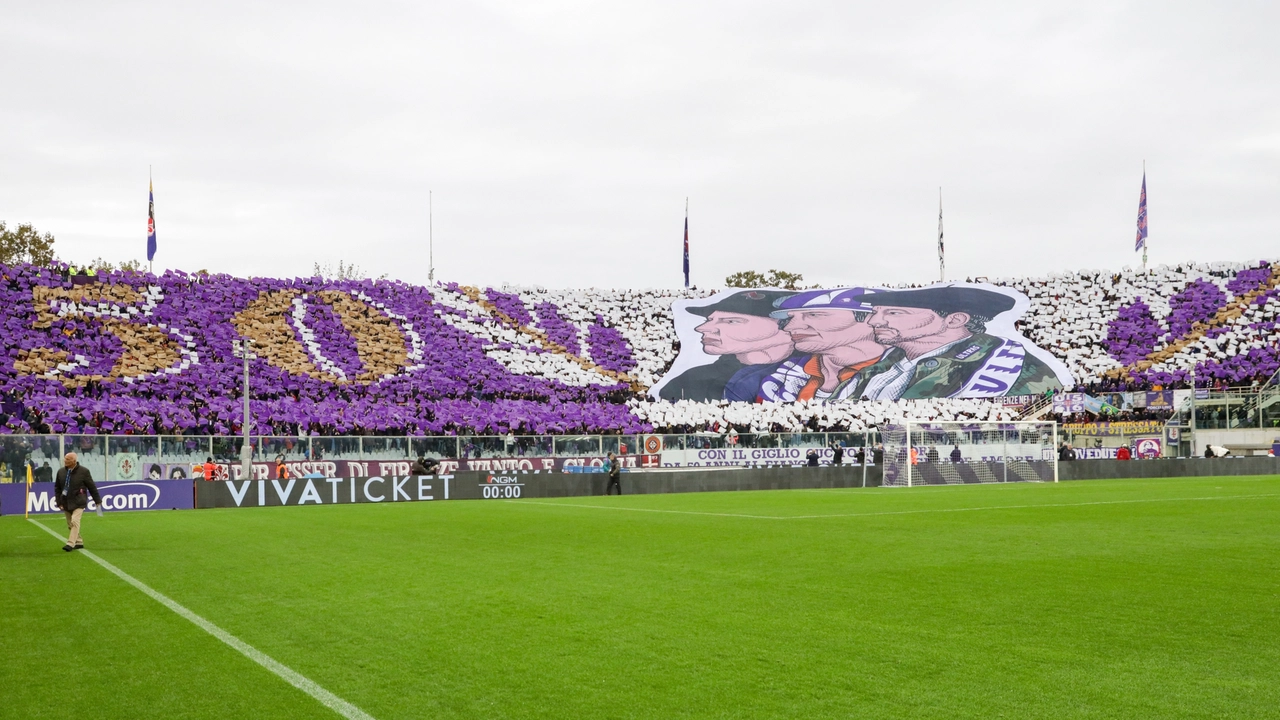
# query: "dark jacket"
[1066,453]
[615,469]
[79,485]
[427,468]
[837,455]
[703,383]
[945,375]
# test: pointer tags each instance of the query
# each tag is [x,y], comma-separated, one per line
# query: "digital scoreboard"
[501,487]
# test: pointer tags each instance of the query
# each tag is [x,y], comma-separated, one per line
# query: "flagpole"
[1147,239]
[151,269]
[431,243]
[942,262]
[686,241]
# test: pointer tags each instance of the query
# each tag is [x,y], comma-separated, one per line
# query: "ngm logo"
[115,496]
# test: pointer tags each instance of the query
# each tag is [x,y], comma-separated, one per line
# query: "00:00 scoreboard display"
[500,487]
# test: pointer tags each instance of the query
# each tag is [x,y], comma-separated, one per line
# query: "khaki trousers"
[73,527]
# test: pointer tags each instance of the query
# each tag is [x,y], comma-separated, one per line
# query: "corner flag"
[26,513]
[151,221]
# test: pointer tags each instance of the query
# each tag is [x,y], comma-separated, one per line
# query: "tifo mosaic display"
[138,353]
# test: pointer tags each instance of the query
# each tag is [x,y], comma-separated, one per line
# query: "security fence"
[129,457]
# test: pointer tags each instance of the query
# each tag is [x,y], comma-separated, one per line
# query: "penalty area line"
[326,698]
[899,512]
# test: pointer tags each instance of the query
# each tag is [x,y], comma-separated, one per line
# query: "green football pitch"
[1104,599]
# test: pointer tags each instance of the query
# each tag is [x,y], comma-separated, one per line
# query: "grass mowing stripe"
[326,698]
[898,512]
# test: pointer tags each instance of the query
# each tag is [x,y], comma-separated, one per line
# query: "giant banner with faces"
[953,340]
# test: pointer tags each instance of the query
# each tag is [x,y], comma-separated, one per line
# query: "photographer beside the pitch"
[423,466]
[72,488]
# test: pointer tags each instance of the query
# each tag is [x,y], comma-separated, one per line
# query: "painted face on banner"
[814,331]
[895,325]
[727,333]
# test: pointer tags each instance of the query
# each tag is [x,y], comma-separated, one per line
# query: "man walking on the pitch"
[615,475]
[71,490]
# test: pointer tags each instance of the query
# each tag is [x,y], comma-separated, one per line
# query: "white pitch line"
[896,512]
[673,512]
[326,698]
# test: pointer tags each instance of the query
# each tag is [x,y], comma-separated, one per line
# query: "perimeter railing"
[145,455]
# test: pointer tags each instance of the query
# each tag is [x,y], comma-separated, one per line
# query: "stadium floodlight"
[961,452]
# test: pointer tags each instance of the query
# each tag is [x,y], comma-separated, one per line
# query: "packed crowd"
[131,353]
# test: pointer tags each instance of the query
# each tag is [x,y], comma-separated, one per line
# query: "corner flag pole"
[26,512]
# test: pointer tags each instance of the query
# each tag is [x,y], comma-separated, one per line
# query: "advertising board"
[136,495]
[322,491]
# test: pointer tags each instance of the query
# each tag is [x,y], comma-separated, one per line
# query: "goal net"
[953,453]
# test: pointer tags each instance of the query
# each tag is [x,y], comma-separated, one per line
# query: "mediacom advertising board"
[138,495]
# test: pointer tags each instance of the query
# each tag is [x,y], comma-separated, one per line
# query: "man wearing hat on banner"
[940,348]
[833,343]
[749,342]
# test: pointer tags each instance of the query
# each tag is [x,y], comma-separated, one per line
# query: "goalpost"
[960,452]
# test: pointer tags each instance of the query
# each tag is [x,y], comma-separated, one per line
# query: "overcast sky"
[561,139]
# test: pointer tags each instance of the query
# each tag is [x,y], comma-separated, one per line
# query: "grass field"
[1107,599]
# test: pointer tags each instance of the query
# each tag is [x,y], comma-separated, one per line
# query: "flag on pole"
[686,242]
[1141,243]
[151,221]
[942,257]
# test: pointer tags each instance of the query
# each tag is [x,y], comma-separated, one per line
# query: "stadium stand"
[128,353]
